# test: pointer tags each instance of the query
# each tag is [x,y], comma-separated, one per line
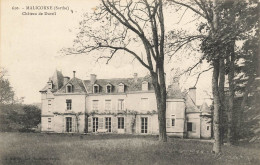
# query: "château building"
[119,105]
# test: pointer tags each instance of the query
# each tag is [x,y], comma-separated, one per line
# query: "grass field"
[37,148]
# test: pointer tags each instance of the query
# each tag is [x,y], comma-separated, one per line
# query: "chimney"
[175,83]
[93,78]
[74,73]
[192,94]
[65,80]
[135,77]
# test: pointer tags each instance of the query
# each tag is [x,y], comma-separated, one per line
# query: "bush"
[19,117]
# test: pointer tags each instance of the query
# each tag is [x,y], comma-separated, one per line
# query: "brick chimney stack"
[74,74]
[192,94]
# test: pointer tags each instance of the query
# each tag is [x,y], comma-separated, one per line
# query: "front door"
[144,126]
[95,124]
[121,125]
[108,124]
[68,124]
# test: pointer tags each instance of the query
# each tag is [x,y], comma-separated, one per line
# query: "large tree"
[225,21]
[247,71]
[211,49]
[238,22]
[122,26]
[6,91]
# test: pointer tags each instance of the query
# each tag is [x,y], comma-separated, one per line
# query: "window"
[145,86]
[207,127]
[121,123]
[191,127]
[68,124]
[144,126]
[108,124]
[121,105]
[121,88]
[69,88]
[107,105]
[49,105]
[49,123]
[109,88]
[144,104]
[95,105]
[173,122]
[69,104]
[96,88]
[95,124]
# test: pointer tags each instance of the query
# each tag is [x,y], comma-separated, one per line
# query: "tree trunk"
[216,100]
[230,112]
[222,108]
[217,144]
[160,93]
[162,120]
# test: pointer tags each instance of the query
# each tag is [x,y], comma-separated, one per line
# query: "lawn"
[39,148]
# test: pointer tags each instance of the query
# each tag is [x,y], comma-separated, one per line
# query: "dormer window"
[109,88]
[69,88]
[95,88]
[49,85]
[144,86]
[121,87]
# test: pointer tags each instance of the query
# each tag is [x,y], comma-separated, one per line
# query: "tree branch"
[200,75]
[188,6]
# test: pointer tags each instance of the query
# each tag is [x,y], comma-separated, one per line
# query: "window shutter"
[194,127]
[63,124]
[149,125]
[113,122]
[73,124]
[123,122]
[138,125]
[89,124]
[100,122]
[127,125]
[98,106]
[168,123]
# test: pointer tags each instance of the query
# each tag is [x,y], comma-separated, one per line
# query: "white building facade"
[126,105]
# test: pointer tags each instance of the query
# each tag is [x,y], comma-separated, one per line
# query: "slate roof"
[130,84]
[85,86]
[77,84]
[57,80]
[174,92]
[205,108]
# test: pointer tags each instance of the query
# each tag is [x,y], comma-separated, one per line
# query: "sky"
[30,46]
